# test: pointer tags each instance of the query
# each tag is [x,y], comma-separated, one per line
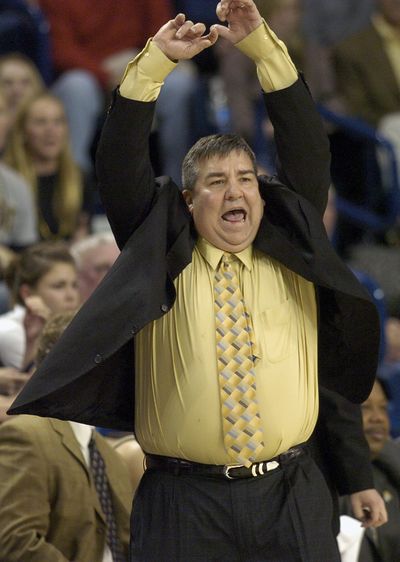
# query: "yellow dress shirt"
[178,410]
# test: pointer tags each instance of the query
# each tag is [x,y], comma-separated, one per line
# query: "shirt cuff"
[275,68]
[145,74]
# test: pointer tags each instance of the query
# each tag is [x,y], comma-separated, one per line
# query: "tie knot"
[227,259]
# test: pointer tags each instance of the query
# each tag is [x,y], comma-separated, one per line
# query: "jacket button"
[164,307]
[98,359]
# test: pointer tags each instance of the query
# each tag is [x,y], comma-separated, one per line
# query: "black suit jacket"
[89,375]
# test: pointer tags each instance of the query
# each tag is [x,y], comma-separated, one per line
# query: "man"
[383,544]
[94,256]
[50,507]
[218,486]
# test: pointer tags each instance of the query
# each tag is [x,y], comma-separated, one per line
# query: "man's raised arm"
[124,171]
[301,141]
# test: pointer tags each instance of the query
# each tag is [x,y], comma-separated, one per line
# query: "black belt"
[230,471]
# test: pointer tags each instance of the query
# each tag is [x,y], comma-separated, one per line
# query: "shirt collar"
[82,432]
[213,255]
[385,30]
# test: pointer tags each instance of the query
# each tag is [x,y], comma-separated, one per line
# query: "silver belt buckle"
[228,467]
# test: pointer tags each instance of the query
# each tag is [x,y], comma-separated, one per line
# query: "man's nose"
[233,190]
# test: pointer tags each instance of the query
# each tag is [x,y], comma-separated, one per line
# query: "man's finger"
[198,29]
[179,20]
[183,30]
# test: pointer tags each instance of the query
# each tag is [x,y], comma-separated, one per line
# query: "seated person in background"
[18,224]
[367,68]
[382,544]
[39,150]
[42,280]
[19,79]
[50,509]
[325,24]
[94,256]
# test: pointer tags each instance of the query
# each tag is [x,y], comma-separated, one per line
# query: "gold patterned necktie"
[243,436]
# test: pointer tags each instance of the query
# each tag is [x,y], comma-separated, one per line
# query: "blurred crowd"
[59,65]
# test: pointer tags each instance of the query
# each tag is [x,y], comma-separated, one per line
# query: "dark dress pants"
[283,516]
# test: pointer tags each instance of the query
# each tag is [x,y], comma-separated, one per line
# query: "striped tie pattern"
[98,469]
[243,436]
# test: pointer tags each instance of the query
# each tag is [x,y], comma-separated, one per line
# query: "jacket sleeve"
[24,499]
[302,144]
[341,445]
[125,175]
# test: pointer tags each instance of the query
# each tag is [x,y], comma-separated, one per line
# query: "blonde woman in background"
[19,80]
[39,150]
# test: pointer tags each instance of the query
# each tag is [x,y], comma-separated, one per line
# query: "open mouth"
[235,216]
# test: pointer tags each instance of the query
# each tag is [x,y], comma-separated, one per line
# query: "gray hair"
[214,145]
[80,248]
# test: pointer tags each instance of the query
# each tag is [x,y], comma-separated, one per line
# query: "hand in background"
[35,318]
[369,508]
[11,381]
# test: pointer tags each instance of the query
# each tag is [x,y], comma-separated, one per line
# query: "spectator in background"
[367,66]
[42,280]
[92,43]
[368,72]
[39,150]
[19,80]
[18,224]
[325,24]
[382,544]
[24,29]
[94,257]
[49,508]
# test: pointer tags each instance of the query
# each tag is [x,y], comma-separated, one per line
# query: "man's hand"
[180,39]
[242,17]
[368,506]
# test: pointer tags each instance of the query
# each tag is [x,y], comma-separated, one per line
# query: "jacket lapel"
[70,443]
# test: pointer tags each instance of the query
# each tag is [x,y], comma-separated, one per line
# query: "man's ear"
[187,195]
